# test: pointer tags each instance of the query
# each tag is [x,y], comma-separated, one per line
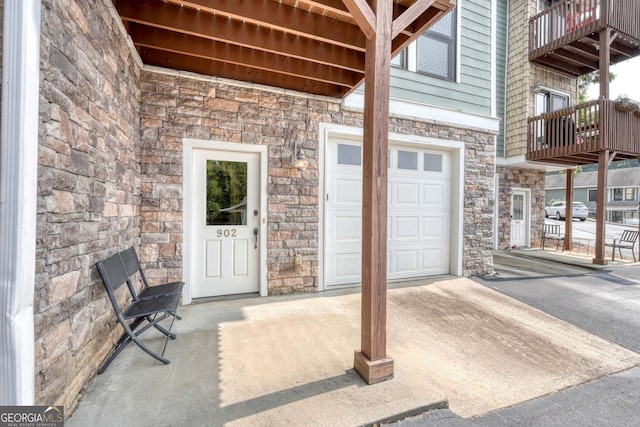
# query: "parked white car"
[558,210]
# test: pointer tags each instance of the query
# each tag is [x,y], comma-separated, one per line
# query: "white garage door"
[419,210]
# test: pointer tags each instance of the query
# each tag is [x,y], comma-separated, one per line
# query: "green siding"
[501,65]
[473,93]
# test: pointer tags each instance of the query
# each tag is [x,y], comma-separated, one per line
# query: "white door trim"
[526,215]
[456,148]
[188,146]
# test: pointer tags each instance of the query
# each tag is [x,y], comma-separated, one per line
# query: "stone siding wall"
[175,107]
[508,179]
[88,190]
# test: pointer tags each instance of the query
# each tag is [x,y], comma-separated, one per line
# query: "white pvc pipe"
[18,194]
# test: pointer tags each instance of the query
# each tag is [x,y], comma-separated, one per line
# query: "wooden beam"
[371,361]
[230,71]
[186,44]
[363,15]
[280,17]
[189,21]
[410,15]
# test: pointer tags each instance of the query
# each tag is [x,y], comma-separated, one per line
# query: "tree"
[587,80]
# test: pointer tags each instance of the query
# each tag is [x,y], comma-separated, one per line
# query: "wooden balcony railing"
[565,36]
[574,136]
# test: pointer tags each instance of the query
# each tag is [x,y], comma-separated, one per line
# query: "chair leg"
[613,253]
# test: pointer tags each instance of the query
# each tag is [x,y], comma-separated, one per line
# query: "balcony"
[574,136]
[566,36]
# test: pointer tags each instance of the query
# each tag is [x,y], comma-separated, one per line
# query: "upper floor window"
[623,194]
[547,102]
[400,60]
[629,193]
[545,4]
[436,49]
[593,195]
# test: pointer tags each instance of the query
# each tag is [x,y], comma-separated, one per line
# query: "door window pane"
[432,162]
[518,207]
[349,155]
[226,193]
[408,160]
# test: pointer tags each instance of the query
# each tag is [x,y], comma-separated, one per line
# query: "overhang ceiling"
[313,46]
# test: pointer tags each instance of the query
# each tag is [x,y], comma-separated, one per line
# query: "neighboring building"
[131,154]
[551,44]
[531,89]
[622,192]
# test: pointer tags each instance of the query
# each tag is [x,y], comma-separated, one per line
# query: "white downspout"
[18,194]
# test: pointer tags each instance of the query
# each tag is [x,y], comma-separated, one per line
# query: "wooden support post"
[601,208]
[603,156]
[371,361]
[568,217]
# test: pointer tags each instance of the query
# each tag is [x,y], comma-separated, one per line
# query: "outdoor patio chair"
[132,266]
[153,310]
[627,241]
[552,232]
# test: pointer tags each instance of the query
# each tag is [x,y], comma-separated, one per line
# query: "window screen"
[437,48]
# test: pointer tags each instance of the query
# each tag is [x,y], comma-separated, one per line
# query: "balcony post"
[601,207]
[568,217]
[605,57]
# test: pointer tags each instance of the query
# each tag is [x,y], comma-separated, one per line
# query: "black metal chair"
[132,266]
[153,310]
[626,241]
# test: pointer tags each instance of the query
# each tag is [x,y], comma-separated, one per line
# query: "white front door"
[226,223]
[519,218]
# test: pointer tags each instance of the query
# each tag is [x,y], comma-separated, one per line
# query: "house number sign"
[227,233]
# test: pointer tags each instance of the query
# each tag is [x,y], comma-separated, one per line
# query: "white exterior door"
[419,210]
[226,223]
[519,218]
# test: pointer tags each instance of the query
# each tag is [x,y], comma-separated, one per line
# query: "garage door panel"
[346,267]
[434,226]
[406,227]
[348,191]
[407,193]
[406,261]
[347,228]
[434,194]
[434,260]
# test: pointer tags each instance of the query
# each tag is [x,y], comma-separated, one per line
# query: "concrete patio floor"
[278,361]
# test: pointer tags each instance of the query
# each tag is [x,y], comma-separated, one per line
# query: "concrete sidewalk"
[565,258]
[288,361]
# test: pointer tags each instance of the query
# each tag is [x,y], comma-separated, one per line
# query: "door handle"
[255,234]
